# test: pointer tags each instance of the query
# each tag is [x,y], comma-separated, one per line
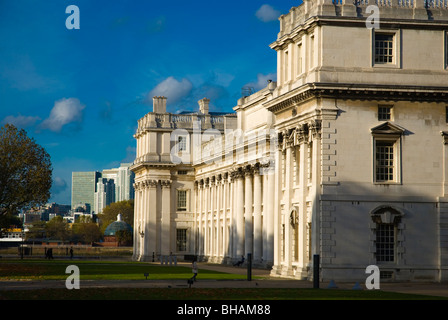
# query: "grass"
[101,270]
[35,269]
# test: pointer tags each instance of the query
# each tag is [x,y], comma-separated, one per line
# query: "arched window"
[387,230]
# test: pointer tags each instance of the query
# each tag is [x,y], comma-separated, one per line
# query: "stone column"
[206,208]
[201,219]
[212,241]
[239,237]
[303,182]
[270,215]
[276,269]
[232,235]
[225,197]
[218,218]
[258,236]
[248,211]
[151,222]
[165,237]
[137,224]
[287,200]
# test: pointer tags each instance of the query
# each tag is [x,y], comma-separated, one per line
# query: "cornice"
[357,92]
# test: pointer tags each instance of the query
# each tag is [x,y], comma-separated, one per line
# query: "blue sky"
[80,92]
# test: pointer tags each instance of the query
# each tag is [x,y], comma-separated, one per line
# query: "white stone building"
[345,157]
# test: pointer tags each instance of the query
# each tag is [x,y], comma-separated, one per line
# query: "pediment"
[388,128]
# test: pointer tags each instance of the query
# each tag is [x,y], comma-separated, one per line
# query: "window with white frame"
[181,200]
[181,143]
[384,48]
[386,153]
[385,161]
[388,241]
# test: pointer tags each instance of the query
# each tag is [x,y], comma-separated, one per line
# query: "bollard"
[316,271]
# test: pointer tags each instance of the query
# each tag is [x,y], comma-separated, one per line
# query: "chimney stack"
[159,104]
[203,105]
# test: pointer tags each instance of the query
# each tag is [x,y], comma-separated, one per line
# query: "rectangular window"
[311,51]
[181,143]
[181,240]
[181,200]
[385,242]
[384,113]
[384,161]
[299,59]
[384,48]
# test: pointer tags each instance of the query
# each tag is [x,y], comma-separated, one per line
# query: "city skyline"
[79,93]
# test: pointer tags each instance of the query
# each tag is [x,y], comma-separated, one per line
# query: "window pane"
[181,200]
[384,48]
[385,242]
[384,161]
[181,239]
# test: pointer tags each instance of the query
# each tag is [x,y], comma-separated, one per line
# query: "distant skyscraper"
[105,194]
[99,189]
[124,179]
[84,188]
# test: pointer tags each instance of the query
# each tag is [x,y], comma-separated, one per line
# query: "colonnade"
[234,215]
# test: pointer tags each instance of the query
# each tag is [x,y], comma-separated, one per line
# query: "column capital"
[315,128]
[166,183]
[248,170]
[301,134]
[237,173]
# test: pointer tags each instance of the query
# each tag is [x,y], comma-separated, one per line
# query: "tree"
[86,232]
[37,231]
[57,229]
[25,171]
[110,213]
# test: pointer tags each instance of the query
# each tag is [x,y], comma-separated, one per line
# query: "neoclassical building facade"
[345,156]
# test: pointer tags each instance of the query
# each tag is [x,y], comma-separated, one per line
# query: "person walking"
[194,269]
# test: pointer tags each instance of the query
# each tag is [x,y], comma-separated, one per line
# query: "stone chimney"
[159,104]
[203,105]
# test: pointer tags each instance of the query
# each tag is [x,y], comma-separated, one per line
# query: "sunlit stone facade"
[345,156]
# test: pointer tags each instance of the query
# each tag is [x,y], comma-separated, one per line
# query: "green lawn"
[101,270]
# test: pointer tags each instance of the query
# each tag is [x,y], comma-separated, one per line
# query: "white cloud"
[59,185]
[262,81]
[65,111]
[21,121]
[172,89]
[267,13]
